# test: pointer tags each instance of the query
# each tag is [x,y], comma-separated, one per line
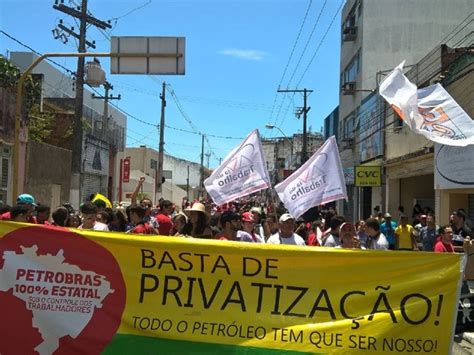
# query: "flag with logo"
[243,172]
[320,180]
[429,111]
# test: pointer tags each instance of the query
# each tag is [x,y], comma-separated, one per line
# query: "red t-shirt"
[7,216]
[222,236]
[440,247]
[165,224]
[142,228]
[313,240]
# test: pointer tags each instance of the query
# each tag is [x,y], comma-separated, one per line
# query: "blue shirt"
[389,231]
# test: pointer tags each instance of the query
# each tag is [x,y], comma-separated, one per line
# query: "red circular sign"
[18,334]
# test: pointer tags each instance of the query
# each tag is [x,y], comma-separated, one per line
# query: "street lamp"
[270,126]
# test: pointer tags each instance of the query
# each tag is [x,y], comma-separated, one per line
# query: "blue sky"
[236,55]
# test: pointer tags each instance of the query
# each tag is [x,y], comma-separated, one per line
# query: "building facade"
[283,154]
[103,136]
[376,36]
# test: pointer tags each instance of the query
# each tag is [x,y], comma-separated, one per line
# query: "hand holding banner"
[320,180]
[429,111]
[243,172]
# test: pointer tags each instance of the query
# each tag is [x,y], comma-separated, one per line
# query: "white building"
[182,177]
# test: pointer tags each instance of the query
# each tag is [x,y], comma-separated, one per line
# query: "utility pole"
[304,110]
[159,176]
[84,19]
[201,180]
[187,185]
[208,155]
[106,98]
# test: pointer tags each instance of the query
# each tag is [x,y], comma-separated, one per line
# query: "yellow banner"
[96,291]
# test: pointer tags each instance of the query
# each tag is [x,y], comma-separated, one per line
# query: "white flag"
[430,111]
[243,172]
[320,180]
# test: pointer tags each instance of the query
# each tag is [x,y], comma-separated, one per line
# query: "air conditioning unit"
[348,88]
[348,143]
[349,33]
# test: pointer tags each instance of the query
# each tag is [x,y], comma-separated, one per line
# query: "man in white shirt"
[285,234]
[88,214]
[376,239]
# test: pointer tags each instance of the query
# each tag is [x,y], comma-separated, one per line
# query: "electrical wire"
[321,42]
[132,10]
[307,43]
[290,57]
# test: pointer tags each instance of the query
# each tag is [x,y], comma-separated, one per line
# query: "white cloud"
[247,54]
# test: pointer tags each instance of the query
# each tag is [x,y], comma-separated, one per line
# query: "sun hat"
[197,207]
[256,209]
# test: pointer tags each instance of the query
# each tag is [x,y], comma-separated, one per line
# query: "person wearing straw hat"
[199,219]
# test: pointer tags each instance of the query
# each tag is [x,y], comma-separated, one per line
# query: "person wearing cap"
[29,202]
[20,213]
[388,229]
[248,226]
[286,235]
[199,219]
[231,228]
[404,238]
[459,227]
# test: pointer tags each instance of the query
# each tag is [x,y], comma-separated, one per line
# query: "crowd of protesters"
[252,221]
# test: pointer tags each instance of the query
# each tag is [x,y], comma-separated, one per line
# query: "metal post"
[159,177]
[76,160]
[304,150]
[201,180]
[187,185]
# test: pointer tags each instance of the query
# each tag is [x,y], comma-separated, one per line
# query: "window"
[347,129]
[349,26]
[352,69]
[153,164]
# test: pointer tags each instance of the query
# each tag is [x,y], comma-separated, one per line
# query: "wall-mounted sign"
[368,175]
[454,167]
[126,170]
[349,175]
